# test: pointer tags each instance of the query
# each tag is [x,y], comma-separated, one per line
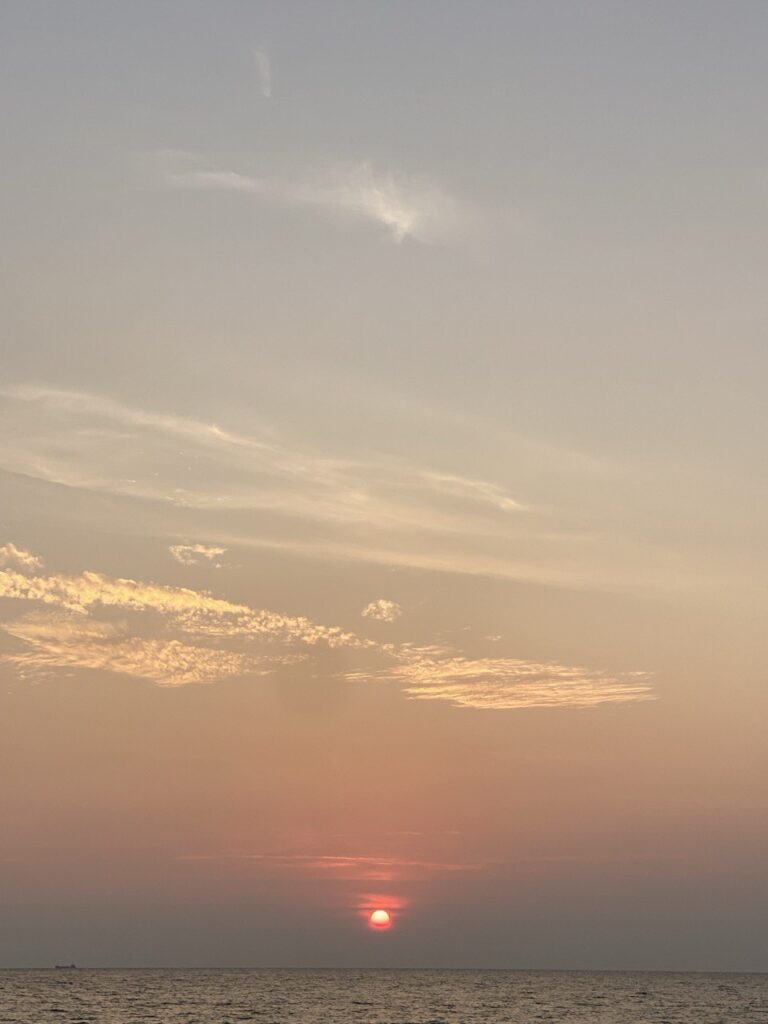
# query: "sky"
[383,487]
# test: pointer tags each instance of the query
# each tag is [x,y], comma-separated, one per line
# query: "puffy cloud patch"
[382,610]
[19,557]
[192,554]
[62,642]
[189,611]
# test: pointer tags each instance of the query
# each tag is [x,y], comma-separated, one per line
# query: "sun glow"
[380,919]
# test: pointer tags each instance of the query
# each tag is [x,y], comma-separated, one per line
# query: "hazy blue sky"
[382,427]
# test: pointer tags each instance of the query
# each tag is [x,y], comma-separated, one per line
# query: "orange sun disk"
[380,919]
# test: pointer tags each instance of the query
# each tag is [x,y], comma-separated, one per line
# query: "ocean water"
[379,997]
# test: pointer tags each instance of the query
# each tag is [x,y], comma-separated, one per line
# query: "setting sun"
[380,919]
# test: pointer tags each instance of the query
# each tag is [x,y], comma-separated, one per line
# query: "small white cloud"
[264,68]
[382,610]
[192,554]
[19,557]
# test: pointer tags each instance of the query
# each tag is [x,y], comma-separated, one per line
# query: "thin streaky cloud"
[229,181]
[264,69]
[377,508]
[408,207]
[74,423]
[332,860]
[465,487]
[96,443]
[73,404]
[348,867]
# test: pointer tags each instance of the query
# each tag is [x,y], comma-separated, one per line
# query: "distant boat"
[65,967]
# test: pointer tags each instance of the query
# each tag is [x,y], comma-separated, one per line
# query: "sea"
[378,997]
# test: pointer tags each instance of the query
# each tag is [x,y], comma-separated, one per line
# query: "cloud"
[19,557]
[474,490]
[382,610]
[539,515]
[347,867]
[407,207]
[374,507]
[188,611]
[264,68]
[61,642]
[506,683]
[176,635]
[191,554]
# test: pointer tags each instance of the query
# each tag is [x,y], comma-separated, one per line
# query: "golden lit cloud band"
[229,640]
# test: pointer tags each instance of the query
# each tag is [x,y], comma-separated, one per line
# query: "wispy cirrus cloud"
[227,487]
[92,441]
[407,207]
[474,490]
[264,69]
[176,635]
[378,507]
